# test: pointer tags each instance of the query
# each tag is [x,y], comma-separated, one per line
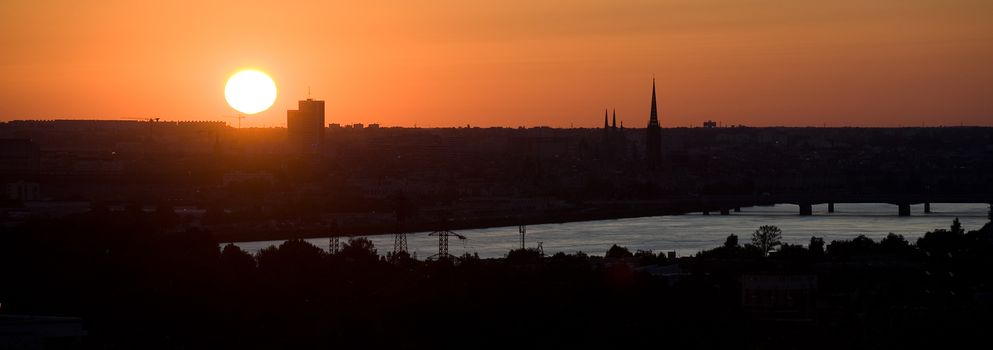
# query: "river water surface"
[690,233]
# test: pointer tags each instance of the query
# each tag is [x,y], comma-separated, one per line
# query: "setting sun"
[250,91]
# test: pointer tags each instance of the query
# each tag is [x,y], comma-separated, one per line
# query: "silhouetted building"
[19,157]
[653,140]
[613,125]
[21,191]
[41,332]
[241,177]
[710,124]
[606,129]
[305,125]
[613,138]
[779,296]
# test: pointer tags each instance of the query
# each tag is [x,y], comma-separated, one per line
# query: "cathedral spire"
[605,118]
[653,120]
[653,140]
[614,126]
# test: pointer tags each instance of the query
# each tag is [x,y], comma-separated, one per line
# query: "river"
[690,233]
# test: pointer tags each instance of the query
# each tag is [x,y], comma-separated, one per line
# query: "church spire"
[614,126]
[653,140]
[605,118]
[653,120]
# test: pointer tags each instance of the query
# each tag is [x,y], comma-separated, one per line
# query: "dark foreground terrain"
[136,284]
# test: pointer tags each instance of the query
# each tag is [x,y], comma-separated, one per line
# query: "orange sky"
[507,62]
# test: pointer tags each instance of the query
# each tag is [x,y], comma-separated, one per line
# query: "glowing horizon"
[508,63]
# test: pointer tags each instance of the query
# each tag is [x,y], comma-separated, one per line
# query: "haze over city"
[507,63]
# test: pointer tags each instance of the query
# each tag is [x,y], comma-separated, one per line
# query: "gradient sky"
[507,62]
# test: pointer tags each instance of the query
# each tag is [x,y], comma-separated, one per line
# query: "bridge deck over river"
[726,203]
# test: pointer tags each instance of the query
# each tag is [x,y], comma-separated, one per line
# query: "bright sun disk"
[250,91]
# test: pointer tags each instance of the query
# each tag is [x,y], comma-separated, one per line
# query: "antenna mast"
[523,229]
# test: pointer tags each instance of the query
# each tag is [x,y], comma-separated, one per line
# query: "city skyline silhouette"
[442,64]
[303,174]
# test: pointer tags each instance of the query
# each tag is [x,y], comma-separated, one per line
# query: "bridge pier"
[830,207]
[904,209]
[806,209]
[725,211]
[737,209]
[927,207]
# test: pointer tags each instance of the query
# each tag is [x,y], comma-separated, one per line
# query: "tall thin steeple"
[606,129]
[653,120]
[653,139]
[614,126]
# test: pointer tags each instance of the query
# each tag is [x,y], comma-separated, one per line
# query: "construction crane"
[443,243]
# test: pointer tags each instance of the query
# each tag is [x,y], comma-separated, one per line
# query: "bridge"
[805,201]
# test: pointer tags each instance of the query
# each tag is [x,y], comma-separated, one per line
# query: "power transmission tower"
[335,242]
[335,245]
[443,243]
[401,208]
[399,243]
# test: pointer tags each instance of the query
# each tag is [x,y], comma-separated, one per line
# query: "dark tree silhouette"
[766,238]
[894,244]
[616,251]
[359,250]
[956,228]
[235,260]
[731,241]
[292,255]
[859,246]
[816,246]
[646,257]
[524,256]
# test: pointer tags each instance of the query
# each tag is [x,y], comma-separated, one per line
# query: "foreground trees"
[767,238]
[142,288]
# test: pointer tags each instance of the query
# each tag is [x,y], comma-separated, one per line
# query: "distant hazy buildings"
[19,158]
[614,141]
[305,125]
[252,177]
[21,191]
[779,296]
[19,166]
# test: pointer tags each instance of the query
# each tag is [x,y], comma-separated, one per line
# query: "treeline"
[137,285]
